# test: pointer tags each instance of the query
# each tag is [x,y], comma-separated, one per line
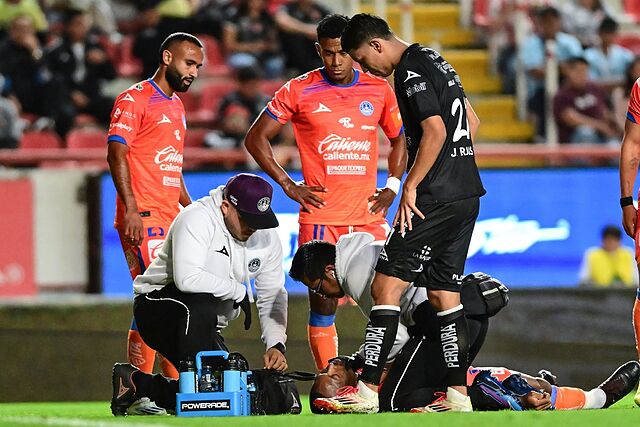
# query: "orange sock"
[139,354]
[168,370]
[323,341]
[568,398]
[636,321]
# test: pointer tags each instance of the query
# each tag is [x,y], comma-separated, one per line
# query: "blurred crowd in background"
[62,62]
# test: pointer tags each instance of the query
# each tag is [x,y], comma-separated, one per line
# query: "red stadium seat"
[39,140]
[481,13]
[128,65]
[190,101]
[215,63]
[630,41]
[85,120]
[632,8]
[86,138]
[195,137]
[210,98]
[270,87]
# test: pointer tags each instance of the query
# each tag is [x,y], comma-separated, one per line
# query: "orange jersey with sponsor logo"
[153,126]
[336,129]
[633,112]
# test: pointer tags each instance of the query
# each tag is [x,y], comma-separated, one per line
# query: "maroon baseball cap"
[251,196]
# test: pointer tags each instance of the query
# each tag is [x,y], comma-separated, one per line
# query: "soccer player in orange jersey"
[629,160]
[335,111]
[146,141]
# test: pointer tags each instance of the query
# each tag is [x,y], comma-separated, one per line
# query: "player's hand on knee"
[382,199]
[629,216]
[275,359]
[133,228]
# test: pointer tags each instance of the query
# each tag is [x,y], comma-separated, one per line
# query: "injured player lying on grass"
[490,389]
[417,376]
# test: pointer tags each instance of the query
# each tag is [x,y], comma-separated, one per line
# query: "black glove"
[245,306]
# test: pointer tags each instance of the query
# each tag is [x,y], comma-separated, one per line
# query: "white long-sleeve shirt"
[200,255]
[356,258]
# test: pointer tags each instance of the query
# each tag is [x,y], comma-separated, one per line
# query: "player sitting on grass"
[490,389]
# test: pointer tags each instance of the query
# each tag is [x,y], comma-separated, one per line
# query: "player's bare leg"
[636,329]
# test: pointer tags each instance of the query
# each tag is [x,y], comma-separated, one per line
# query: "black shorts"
[434,252]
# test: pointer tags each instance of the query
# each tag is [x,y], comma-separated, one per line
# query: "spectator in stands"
[10,122]
[620,95]
[608,61]
[101,13]
[80,66]
[11,9]
[533,57]
[582,18]
[610,264]
[239,109]
[297,22]
[580,108]
[159,18]
[250,38]
[26,78]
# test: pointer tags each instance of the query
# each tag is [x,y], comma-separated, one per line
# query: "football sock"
[139,354]
[168,370]
[567,398]
[636,321]
[155,388]
[454,338]
[380,336]
[323,338]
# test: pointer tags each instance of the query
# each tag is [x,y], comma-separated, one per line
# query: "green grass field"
[97,414]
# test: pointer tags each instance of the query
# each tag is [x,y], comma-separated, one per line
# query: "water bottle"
[231,376]
[217,376]
[206,379]
[187,381]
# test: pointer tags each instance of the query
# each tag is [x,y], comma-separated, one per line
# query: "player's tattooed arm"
[629,161]
[119,167]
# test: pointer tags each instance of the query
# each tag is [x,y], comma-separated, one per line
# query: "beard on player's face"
[176,81]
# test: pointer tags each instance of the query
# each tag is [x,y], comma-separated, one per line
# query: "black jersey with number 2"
[426,85]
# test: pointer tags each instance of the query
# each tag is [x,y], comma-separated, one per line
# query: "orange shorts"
[331,233]
[139,257]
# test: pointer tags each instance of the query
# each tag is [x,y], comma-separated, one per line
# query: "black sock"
[379,339]
[454,338]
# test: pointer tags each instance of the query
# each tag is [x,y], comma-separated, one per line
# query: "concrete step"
[444,37]
[505,131]
[425,16]
[480,84]
[495,107]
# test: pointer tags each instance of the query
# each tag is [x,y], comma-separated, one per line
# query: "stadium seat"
[215,63]
[630,41]
[128,65]
[39,140]
[195,137]
[85,120]
[86,138]
[269,87]
[632,8]
[481,13]
[190,101]
[210,97]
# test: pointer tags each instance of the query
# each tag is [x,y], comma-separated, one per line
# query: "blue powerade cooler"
[234,399]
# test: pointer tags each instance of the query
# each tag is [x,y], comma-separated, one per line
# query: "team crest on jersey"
[263,204]
[366,108]
[138,87]
[254,265]
[303,77]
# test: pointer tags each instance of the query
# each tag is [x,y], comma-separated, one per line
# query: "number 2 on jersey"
[460,132]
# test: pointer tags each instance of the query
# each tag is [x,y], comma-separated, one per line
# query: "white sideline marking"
[75,422]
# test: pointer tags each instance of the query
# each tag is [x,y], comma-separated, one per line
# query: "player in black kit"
[438,207]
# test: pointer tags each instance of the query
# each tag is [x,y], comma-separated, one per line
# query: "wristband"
[393,184]
[626,201]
